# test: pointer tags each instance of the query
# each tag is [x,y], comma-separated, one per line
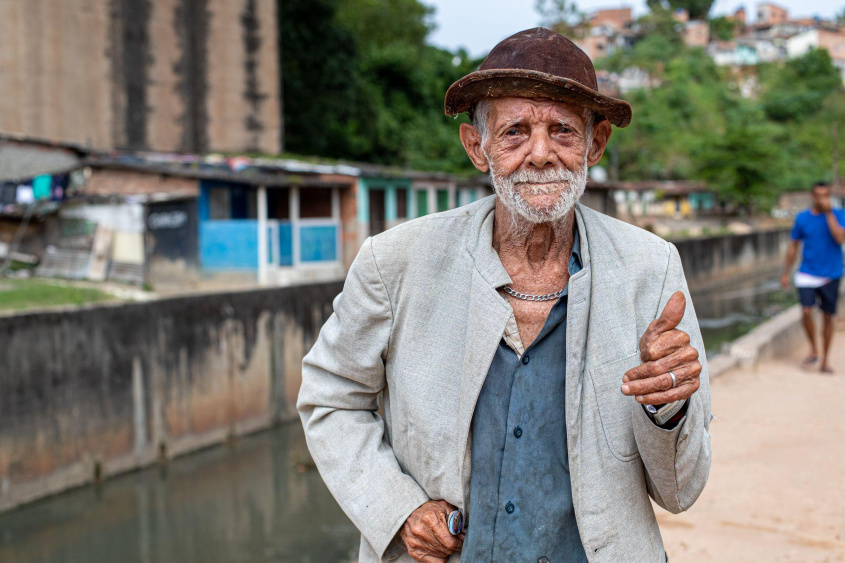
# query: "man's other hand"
[784,282]
[426,534]
[825,205]
[664,348]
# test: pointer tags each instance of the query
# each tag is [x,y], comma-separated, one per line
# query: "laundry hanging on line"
[25,194]
[41,187]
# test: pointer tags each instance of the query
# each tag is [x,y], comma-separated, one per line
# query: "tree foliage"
[360,83]
[703,122]
[697,9]
[562,16]
[744,161]
[797,89]
[721,28]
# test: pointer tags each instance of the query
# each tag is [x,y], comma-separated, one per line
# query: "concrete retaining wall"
[89,393]
[776,338]
[712,261]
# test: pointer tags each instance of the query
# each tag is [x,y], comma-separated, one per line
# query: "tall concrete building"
[163,75]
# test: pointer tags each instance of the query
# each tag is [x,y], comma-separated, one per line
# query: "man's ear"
[471,139]
[601,135]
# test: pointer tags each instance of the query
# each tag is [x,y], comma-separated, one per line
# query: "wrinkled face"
[538,152]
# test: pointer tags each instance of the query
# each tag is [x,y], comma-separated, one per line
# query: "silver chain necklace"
[526,297]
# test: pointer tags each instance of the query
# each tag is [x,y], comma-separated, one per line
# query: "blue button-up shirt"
[521,494]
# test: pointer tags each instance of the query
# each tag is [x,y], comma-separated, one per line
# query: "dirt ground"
[777,483]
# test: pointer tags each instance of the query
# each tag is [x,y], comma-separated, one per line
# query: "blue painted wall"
[285,244]
[318,243]
[229,245]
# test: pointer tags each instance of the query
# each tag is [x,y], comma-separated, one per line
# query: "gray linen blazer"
[417,324]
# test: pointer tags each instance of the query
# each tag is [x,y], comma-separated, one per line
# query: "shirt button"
[509,508]
[543,560]
[525,359]
[517,432]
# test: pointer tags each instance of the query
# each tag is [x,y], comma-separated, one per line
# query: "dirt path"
[777,484]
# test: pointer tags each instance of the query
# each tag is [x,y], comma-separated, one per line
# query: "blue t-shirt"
[821,255]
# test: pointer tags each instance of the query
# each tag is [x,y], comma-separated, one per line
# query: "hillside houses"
[774,35]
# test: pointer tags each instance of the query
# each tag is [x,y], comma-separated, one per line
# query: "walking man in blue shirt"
[822,230]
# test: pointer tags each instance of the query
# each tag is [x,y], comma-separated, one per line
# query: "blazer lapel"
[577,330]
[488,315]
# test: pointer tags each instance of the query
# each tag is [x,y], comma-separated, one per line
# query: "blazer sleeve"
[677,461]
[342,377]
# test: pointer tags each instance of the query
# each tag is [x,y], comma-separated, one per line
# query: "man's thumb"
[672,313]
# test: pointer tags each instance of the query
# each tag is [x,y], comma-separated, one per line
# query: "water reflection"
[726,313]
[260,501]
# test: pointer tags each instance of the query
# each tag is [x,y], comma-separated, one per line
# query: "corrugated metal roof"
[22,162]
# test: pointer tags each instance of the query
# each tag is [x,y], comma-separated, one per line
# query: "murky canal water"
[256,502]
[726,313]
[261,500]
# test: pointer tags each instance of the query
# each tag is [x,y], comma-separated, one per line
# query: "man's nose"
[541,154]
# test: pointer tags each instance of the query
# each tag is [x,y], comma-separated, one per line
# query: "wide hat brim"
[523,83]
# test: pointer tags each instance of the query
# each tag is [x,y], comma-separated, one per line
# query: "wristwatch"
[661,414]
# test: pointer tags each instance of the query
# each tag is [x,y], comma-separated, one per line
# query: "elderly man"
[513,380]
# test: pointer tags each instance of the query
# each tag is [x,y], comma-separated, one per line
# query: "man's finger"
[683,391]
[664,344]
[672,313]
[425,543]
[663,381]
[428,533]
[446,539]
[660,366]
[423,557]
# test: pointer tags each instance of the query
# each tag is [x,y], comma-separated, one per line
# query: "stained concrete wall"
[89,393]
[166,75]
[712,261]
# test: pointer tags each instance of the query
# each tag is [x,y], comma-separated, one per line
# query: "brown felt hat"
[537,63]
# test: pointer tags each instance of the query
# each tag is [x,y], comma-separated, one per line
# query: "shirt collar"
[575,264]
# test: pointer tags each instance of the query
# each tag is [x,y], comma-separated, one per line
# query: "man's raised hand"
[426,533]
[664,348]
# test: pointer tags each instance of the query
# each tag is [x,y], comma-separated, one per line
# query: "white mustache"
[542,189]
[513,188]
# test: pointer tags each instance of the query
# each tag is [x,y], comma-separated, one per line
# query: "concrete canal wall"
[92,392]
[88,393]
[713,261]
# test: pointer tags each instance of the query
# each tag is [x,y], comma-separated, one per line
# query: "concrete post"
[338,224]
[262,235]
[294,225]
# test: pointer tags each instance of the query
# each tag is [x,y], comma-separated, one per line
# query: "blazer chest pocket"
[615,409]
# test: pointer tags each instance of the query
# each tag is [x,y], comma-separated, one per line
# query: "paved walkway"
[777,483]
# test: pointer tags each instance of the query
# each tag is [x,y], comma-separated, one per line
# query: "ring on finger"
[674,380]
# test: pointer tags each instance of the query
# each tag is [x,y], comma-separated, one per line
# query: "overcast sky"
[478,25]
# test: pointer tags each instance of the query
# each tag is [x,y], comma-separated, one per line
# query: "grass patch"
[16,295]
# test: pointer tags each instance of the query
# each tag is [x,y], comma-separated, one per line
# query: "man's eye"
[512,131]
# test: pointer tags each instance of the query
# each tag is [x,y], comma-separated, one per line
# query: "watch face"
[651,409]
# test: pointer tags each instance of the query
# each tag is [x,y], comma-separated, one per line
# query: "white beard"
[570,184]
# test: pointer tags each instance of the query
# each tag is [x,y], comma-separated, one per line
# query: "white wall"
[122,217]
[801,43]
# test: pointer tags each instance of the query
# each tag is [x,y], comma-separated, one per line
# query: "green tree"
[321,83]
[796,89]
[361,83]
[743,161]
[722,28]
[697,9]
[562,16]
